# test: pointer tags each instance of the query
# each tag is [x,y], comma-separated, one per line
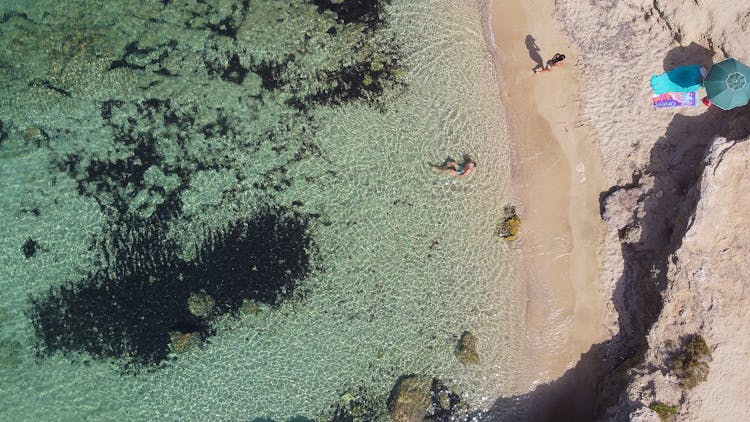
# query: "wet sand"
[557,179]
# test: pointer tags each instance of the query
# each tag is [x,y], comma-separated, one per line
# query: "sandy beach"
[557,178]
[626,264]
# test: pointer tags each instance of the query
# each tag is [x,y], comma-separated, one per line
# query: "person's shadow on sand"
[534,53]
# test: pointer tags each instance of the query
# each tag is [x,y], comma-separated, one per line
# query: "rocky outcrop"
[705,295]
[670,182]
[466,349]
[419,397]
[410,399]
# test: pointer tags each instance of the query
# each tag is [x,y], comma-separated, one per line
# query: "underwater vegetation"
[354,405]
[132,316]
[3,132]
[183,122]
[354,11]
[29,248]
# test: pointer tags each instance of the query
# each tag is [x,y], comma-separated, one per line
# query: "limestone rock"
[619,205]
[510,226]
[466,349]
[706,298]
[411,398]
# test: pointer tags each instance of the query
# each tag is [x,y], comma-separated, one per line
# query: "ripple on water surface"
[226,209]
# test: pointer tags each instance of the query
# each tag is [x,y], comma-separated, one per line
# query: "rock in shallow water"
[410,399]
[180,342]
[466,350]
[200,304]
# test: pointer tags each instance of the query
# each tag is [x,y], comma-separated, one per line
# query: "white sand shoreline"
[557,179]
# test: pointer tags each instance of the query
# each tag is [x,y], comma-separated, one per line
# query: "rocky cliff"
[675,251]
[705,296]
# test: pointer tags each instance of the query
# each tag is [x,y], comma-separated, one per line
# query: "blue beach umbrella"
[728,84]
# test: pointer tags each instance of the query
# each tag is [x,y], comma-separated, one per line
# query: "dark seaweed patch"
[115,179]
[145,58]
[3,132]
[234,71]
[129,316]
[354,11]
[231,70]
[365,80]
[33,211]
[158,137]
[106,108]
[29,248]
[7,16]
[226,27]
[271,73]
[297,104]
[48,85]
[346,85]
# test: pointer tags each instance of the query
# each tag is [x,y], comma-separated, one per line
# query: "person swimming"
[454,168]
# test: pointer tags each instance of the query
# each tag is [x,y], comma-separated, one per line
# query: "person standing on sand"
[554,61]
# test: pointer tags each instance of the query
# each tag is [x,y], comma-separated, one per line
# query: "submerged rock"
[181,342]
[510,226]
[466,349]
[249,307]
[201,304]
[355,405]
[446,403]
[411,398]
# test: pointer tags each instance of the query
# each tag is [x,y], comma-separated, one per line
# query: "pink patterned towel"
[675,99]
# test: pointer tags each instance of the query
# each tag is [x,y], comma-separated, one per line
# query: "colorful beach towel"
[675,99]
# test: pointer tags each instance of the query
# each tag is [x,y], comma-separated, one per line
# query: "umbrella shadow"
[534,50]
[690,54]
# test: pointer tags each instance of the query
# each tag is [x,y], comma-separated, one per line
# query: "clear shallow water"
[403,259]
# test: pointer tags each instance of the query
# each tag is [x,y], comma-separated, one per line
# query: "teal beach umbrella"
[728,84]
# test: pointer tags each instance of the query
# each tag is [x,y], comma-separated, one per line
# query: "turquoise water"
[143,141]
